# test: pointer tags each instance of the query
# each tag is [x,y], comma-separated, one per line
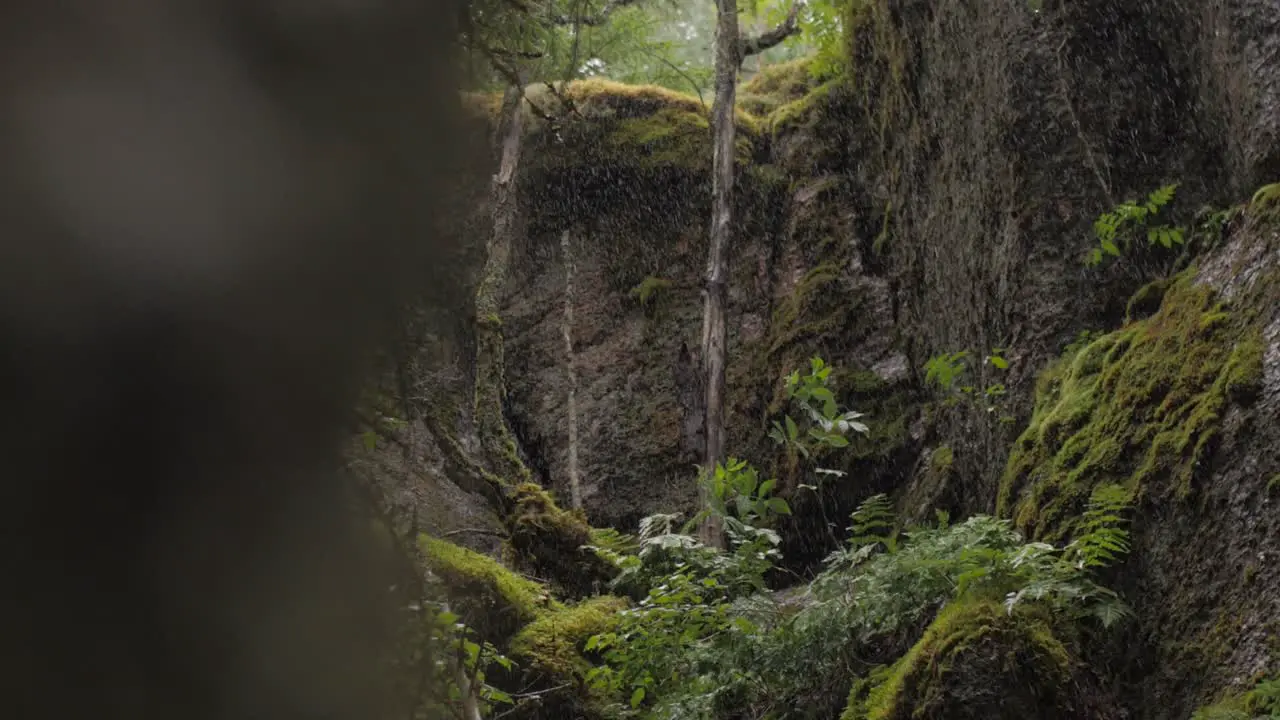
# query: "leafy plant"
[687,610]
[1260,701]
[943,370]
[827,424]
[823,424]
[698,645]
[736,493]
[952,374]
[1117,229]
[462,660]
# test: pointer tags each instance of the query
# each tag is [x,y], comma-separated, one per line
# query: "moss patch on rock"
[554,644]
[485,594]
[550,657]
[552,540]
[776,85]
[637,127]
[1141,407]
[975,661]
[545,638]
[1260,701]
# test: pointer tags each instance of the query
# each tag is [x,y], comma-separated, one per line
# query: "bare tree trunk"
[571,370]
[714,332]
[490,362]
[730,51]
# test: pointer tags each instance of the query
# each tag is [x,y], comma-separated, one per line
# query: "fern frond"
[874,522]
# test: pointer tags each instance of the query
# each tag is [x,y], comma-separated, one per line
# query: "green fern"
[874,522]
[1116,229]
[1103,539]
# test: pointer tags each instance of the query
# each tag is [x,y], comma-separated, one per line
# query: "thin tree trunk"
[714,332]
[730,51]
[571,370]
[490,361]
[470,692]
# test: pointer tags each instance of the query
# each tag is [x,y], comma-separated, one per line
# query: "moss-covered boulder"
[975,661]
[1141,406]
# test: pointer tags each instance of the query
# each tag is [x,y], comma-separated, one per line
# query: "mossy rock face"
[484,593]
[630,127]
[1142,406]
[975,661]
[1260,701]
[552,540]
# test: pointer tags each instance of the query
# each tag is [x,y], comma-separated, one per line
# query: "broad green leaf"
[766,487]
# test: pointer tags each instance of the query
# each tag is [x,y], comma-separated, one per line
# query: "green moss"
[975,661]
[856,707]
[941,458]
[552,542]
[485,594]
[881,243]
[1141,407]
[802,111]
[1146,300]
[1261,700]
[551,658]
[776,85]
[649,289]
[1265,203]
[638,127]
[554,643]
[814,307]
[1273,485]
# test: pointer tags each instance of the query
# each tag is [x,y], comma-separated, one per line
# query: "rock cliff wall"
[938,196]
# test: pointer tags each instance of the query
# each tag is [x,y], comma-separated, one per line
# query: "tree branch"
[516,80]
[756,45]
[677,70]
